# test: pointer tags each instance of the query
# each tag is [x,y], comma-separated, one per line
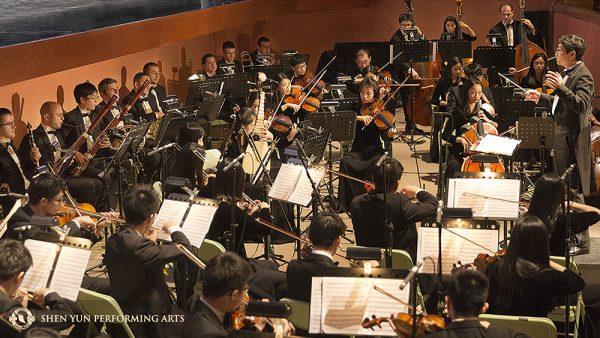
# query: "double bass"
[525,49]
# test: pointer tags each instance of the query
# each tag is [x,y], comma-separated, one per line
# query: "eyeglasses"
[12,124]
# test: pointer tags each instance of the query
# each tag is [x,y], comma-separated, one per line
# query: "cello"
[525,49]
[475,130]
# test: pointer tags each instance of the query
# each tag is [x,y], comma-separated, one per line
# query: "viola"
[426,323]
[382,118]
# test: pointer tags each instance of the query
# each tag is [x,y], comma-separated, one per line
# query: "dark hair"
[103,85]
[464,91]
[138,77]
[225,273]
[446,73]
[535,57]
[297,59]
[14,259]
[453,19]
[546,200]
[5,111]
[147,66]
[46,186]
[191,132]
[225,181]
[509,5]
[528,252]
[227,45]
[246,117]
[44,332]
[473,70]
[325,228]
[369,83]
[140,202]
[406,17]
[83,90]
[206,56]
[188,164]
[262,39]
[393,172]
[572,42]
[468,291]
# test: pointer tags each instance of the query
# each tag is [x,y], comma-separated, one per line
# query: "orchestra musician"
[11,170]
[570,104]
[157,92]
[187,164]
[209,64]
[367,210]
[471,71]
[451,76]
[450,26]
[135,263]
[31,311]
[144,109]
[366,148]
[49,144]
[107,88]
[263,55]
[299,66]
[404,33]
[324,233]
[536,73]
[291,109]
[471,98]
[229,65]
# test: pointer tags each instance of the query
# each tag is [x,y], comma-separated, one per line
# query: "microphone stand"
[230,138]
[387,224]
[568,234]
[315,192]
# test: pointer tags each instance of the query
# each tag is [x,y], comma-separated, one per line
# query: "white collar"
[573,66]
[322,253]
[47,128]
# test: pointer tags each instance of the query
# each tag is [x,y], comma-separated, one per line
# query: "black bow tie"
[567,71]
[52,132]
[85,114]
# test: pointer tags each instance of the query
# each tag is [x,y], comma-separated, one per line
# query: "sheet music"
[286,180]
[314,325]
[343,313]
[197,223]
[454,248]
[15,207]
[503,201]
[69,271]
[171,212]
[43,254]
[498,145]
[302,193]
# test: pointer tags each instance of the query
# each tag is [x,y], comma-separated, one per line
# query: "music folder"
[195,224]
[57,266]
[292,184]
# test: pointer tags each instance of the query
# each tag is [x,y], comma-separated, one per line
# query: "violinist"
[367,210]
[451,76]
[536,73]
[229,65]
[298,64]
[467,292]
[366,148]
[226,285]
[291,97]
[405,33]
[470,105]
[451,25]
[49,144]
[525,282]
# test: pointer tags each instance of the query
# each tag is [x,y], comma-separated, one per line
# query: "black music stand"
[210,108]
[270,71]
[454,48]
[495,56]
[412,51]
[315,143]
[173,127]
[196,91]
[235,86]
[537,133]
[511,110]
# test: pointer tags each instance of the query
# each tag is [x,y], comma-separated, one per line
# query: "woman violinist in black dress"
[367,148]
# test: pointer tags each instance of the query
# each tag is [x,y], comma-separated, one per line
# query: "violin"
[67,213]
[426,323]
[383,119]
[308,103]
[307,79]
[481,262]
[281,123]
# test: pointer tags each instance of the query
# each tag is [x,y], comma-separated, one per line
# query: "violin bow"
[312,87]
[322,70]
[392,60]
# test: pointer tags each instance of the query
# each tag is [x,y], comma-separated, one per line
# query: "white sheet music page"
[302,194]
[489,198]
[386,298]
[171,212]
[43,254]
[314,324]
[69,271]
[498,145]
[197,223]
[286,180]
[454,248]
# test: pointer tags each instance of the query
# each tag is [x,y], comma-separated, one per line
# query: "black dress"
[530,82]
[536,293]
[366,150]
[579,223]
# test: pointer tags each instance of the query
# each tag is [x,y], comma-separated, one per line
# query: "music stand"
[173,127]
[511,110]
[412,51]
[537,133]
[235,86]
[495,56]
[454,48]
[196,91]
[210,108]
[270,71]
[315,143]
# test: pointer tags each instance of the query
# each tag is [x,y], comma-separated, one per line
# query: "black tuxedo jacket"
[22,217]
[201,321]
[73,127]
[42,141]
[575,99]
[135,268]
[474,329]
[517,26]
[137,110]
[9,173]
[161,95]
[225,68]
[300,273]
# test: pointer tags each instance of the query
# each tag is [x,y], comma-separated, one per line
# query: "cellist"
[367,146]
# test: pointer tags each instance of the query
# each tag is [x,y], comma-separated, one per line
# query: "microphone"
[438,217]
[411,275]
[567,172]
[159,149]
[232,163]
[382,158]
[22,228]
